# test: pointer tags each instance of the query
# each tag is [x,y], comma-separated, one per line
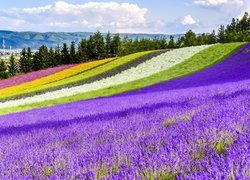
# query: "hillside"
[176,114]
[18,40]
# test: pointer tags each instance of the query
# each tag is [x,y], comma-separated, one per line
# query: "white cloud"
[37,10]
[220,3]
[63,16]
[188,20]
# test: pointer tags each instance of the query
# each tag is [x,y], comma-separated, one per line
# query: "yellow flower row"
[55,77]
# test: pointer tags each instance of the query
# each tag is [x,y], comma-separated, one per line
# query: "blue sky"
[138,16]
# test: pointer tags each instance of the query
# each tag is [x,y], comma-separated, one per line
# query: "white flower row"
[150,67]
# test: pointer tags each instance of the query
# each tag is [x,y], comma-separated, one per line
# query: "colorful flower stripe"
[190,133]
[88,77]
[81,76]
[31,76]
[54,77]
[152,66]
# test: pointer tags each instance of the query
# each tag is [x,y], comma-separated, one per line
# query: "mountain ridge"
[22,39]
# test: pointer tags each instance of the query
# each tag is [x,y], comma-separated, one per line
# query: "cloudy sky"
[137,16]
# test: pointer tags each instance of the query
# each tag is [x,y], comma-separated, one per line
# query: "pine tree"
[221,34]
[82,51]
[108,41]
[28,63]
[3,70]
[72,53]
[212,38]
[41,58]
[44,57]
[99,45]
[12,66]
[116,45]
[162,43]
[23,59]
[36,65]
[171,43]
[91,48]
[51,57]
[190,38]
[244,22]
[57,57]
[65,57]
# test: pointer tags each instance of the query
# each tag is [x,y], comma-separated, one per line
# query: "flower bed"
[54,77]
[31,76]
[152,66]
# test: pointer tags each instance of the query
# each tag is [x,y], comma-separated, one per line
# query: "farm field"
[177,114]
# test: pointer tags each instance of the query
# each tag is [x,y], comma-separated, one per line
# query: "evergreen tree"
[244,26]
[171,43]
[65,57]
[41,58]
[116,45]
[190,38]
[162,43]
[212,38]
[36,65]
[44,57]
[82,51]
[126,46]
[99,51]
[73,57]
[12,69]
[201,40]
[233,25]
[108,41]
[23,60]
[51,58]
[91,50]
[180,42]
[28,61]
[221,34]
[57,56]
[3,70]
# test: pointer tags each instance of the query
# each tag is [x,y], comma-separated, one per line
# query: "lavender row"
[186,137]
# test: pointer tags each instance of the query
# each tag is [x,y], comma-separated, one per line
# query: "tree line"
[237,31]
[98,47]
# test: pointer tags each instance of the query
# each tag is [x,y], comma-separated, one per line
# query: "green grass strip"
[198,62]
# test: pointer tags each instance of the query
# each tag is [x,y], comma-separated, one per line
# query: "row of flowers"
[31,76]
[157,64]
[54,77]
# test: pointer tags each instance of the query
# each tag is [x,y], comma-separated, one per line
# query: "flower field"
[184,114]
[54,77]
[70,75]
[31,76]
[142,70]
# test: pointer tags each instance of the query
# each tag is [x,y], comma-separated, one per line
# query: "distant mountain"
[17,40]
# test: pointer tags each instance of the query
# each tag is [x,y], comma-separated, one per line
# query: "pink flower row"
[31,76]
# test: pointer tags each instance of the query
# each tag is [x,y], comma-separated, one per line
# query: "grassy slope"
[82,76]
[198,62]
